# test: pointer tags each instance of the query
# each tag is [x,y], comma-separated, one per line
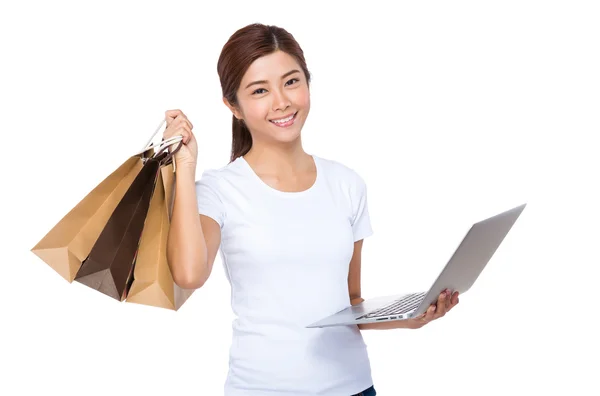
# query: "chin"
[285,138]
[288,134]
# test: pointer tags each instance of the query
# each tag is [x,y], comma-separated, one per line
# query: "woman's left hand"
[445,303]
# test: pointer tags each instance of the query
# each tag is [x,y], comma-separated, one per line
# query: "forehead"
[270,67]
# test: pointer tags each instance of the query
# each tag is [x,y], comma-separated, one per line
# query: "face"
[273,99]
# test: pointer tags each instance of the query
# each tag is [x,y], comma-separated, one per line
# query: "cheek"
[257,110]
[302,98]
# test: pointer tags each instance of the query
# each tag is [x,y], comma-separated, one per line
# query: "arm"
[193,239]
[361,227]
[396,324]
[446,301]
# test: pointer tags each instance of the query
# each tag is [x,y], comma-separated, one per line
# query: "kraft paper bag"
[152,280]
[109,266]
[70,241]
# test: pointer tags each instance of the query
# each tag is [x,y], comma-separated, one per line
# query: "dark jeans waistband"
[367,392]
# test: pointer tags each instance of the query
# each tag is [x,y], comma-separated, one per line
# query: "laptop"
[473,253]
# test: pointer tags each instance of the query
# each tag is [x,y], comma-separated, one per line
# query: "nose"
[280,100]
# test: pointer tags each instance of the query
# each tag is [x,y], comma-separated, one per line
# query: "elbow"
[188,268]
[186,282]
[188,279]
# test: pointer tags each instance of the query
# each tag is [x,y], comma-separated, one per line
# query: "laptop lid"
[472,255]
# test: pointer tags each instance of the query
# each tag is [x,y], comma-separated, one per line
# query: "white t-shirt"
[286,256]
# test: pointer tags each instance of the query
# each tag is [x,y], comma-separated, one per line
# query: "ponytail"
[241,140]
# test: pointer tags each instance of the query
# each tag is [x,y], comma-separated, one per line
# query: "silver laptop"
[459,274]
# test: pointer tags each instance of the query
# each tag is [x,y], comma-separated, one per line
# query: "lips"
[284,120]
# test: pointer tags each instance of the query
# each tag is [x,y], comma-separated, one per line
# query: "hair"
[244,47]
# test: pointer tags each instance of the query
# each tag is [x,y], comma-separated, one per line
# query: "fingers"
[180,120]
[172,115]
[446,301]
[441,305]
[430,313]
[178,125]
[453,300]
[182,129]
[424,318]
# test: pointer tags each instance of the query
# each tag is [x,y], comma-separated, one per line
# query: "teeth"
[284,120]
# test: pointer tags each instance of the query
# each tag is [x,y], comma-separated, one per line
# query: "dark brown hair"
[244,47]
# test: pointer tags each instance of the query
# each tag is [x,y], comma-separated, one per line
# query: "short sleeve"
[361,222]
[207,194]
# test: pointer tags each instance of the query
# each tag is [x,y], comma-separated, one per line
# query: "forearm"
[186,246]
[388,325]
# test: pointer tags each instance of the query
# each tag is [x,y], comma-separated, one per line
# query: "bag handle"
[163,145]
[148,145]
[169,156]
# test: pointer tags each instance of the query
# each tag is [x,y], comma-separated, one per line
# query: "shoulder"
[338,172]
[216,177]
[349,190]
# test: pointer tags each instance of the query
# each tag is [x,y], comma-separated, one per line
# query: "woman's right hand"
[178,124]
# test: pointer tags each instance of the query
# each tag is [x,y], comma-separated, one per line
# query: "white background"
[451,111]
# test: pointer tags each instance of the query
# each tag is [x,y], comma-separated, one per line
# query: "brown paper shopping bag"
[109,266]
[152,280]
[70,241]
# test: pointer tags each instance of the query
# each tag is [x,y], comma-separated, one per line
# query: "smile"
[284,122]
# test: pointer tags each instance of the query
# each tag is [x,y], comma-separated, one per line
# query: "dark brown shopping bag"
[109,266]
[152,280]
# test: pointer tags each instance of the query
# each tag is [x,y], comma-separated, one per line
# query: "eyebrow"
[265,81]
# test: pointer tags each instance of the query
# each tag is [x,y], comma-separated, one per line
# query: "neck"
[280,159]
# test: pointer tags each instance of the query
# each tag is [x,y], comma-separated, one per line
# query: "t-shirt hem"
[347,391]
[362,235]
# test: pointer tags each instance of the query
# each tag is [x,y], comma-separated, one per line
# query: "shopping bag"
[70,241]
[109,266]
[152,280]
[110,262]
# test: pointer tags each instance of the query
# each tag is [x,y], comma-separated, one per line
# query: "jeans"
[367,392]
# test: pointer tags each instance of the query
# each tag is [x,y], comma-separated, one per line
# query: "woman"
[289,225]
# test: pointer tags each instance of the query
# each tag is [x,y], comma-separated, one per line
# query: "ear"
[233,109]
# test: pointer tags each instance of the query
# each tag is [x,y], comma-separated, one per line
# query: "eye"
[259,90]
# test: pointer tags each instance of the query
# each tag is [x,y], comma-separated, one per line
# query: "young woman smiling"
[289,226]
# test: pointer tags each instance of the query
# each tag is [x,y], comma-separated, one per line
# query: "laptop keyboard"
[400,306]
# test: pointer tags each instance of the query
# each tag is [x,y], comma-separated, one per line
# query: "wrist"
[185,171]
